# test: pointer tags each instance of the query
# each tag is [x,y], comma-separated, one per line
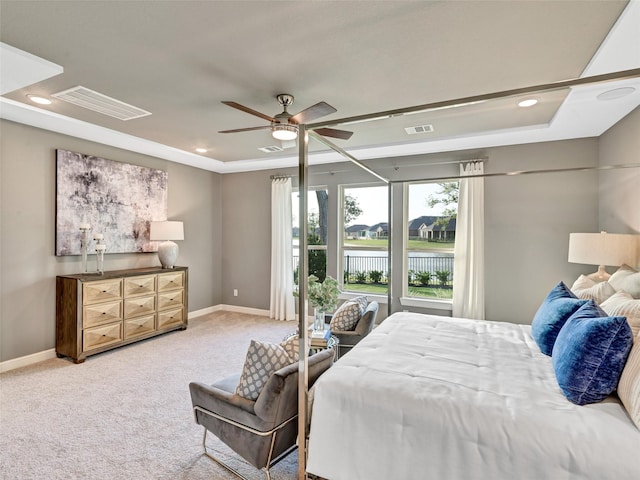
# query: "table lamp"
[166,232]
[603,249]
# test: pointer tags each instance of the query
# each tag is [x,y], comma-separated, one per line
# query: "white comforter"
[427,397]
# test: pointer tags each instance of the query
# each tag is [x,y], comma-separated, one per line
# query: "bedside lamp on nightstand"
[166,232]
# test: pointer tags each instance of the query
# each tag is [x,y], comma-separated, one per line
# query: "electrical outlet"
[235,292]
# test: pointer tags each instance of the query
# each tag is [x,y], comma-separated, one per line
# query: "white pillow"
[627,279]
[622,304]
[629,385]
[262,360]
[587,289]
[346,317]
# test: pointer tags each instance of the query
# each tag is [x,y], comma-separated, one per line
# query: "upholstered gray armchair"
[349,338]
[262,432]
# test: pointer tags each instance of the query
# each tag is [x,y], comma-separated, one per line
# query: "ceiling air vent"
[83,97]
[270,149]
[419,129]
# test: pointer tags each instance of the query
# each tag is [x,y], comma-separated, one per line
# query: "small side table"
[331,342]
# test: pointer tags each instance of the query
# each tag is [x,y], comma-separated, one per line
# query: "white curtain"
[282,301]
[468,266]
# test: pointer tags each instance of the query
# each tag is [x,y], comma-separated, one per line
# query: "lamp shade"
[166,231]
[603,248]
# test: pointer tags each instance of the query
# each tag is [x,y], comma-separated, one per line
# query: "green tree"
[351,209]
[447,196]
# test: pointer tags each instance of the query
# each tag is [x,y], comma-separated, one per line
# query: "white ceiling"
[179,60]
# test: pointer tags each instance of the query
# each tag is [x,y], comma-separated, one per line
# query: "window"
[317,232]
[432,209]
[365,239]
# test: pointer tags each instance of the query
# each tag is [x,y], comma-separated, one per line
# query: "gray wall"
[620,189]
[227,222]
[528,220]
[28,265]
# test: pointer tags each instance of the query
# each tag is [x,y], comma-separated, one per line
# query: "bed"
[429,397]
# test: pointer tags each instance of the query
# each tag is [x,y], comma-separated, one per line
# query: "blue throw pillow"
[556,309]
[590,353]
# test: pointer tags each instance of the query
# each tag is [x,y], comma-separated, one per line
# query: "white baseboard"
[27,360]
[238,309]
[51,353]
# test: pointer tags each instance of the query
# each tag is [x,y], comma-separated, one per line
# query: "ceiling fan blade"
[248,110]
[235,130]
[332,132]
[314,111]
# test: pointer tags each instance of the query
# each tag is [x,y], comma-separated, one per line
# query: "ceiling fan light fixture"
[284,131]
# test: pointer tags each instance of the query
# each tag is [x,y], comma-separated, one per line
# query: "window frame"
[342,249]
[416,301]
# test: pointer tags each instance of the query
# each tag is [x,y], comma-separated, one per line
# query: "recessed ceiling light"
[616,93]
[39,100]
[201,150]
[528,102]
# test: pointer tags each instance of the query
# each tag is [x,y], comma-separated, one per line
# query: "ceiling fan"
[284,126]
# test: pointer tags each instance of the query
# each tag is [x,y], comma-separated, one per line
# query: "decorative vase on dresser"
[96,313]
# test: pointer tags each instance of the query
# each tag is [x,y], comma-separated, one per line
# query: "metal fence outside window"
[354,264]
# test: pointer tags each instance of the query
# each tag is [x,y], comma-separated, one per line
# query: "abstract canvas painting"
[117,199]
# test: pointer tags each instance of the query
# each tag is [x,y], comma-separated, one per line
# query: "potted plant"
[323,297]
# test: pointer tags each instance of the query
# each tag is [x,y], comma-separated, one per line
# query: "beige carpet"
[126,414]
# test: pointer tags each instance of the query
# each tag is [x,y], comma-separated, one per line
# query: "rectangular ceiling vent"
[270,149]
[419,129]
[83,97]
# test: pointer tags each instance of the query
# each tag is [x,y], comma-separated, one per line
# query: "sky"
[373,202]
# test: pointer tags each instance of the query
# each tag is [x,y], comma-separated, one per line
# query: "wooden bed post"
[303,363]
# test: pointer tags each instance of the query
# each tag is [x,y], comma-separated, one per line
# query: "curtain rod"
[278,177]
[522,172]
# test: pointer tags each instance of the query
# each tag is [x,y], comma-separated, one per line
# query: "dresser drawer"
[170,281]
[97,337]
[169,318]
[96,292]
[134,327]
[137,306]
[139,285]
[101,313]
[170,299]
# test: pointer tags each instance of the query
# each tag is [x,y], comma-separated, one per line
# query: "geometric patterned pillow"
[346,317]
[262,360]
[292,346]
[362,300]
[587,289]
[623,304]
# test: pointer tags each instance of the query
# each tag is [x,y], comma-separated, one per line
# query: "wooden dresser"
[96,313]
